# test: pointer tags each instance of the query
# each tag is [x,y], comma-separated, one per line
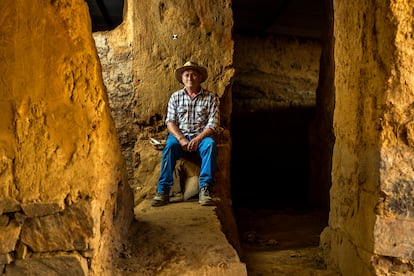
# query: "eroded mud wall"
[139,59]
[275,72]
[166,37]
[61,171]
[116,55]
[371,224]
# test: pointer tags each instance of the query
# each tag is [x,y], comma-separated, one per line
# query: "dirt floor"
[178,239]
[282,242]
[187,239]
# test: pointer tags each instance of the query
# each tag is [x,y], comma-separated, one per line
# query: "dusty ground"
[186,239]
[178,239]
[282,242]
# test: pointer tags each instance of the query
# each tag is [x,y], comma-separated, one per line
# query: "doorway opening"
[270,158]
[277,55]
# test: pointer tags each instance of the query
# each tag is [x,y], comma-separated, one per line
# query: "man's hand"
[184,143]
[193,144]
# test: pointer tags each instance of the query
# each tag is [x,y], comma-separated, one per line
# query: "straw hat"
[191,65]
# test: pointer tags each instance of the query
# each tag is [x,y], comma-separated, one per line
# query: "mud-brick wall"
[61,171]
[371,219]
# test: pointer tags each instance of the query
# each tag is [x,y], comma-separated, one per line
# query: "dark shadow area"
[277,223]
[270,159]
[277,205]
[299,18]
[106,15]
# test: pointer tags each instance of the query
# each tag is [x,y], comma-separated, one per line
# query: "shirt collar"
[199,92]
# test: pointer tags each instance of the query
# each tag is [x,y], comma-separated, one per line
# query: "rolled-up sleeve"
[214,113]
[172,110]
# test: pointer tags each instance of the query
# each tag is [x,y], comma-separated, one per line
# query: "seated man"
[192,118]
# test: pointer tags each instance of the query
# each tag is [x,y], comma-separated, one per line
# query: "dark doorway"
[270,158]
[270,163]
[270,166]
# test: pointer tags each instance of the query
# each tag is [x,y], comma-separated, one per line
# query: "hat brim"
[200,69]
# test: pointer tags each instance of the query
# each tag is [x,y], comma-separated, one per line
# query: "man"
[192,119]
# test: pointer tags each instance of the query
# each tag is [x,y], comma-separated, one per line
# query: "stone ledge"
[183,239]
[8,237]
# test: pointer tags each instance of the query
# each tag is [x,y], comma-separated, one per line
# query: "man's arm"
[205,133]
[193,144]
[185,144]
[212,125]
[176,132]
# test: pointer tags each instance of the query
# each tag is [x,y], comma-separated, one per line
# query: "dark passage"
[270,164]
[278,228]
[273,199]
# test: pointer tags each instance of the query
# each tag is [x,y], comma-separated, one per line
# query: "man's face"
[191,78]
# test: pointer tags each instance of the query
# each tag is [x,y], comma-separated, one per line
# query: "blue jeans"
[207,151]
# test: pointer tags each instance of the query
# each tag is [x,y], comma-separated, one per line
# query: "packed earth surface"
[186,239]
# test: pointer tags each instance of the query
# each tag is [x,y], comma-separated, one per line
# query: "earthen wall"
[370,221]
[61,171]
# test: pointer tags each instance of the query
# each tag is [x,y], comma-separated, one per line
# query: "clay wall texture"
[275,72]
[371,224]
[115,53]
[61,171]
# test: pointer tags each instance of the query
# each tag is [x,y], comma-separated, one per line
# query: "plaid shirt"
[192,116]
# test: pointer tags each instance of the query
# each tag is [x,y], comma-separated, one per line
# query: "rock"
[394,237]
[8,237]
[21,251]
[191,187]
[4,220]
[250,236]
[5,259]
[272,242]
[42,209]
[62,264]
[72,229]
[8,205]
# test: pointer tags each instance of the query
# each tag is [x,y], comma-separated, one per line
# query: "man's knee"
[172,144]
[209,142]
[208,146]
